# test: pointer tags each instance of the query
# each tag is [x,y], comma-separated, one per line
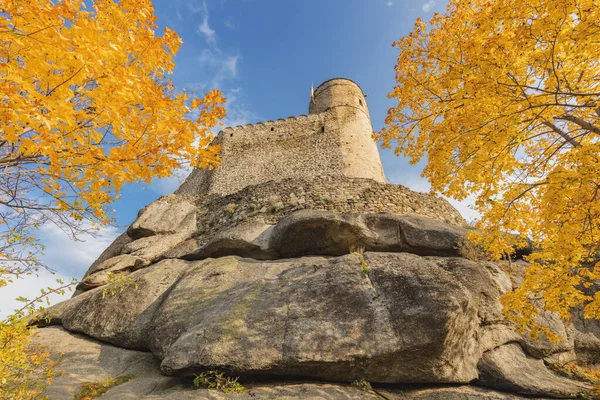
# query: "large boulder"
[437,319]
[508,367]
[122,318]
[311,316]
[327,233]
[86,361]
[315,316]
[170,214]
[301,233]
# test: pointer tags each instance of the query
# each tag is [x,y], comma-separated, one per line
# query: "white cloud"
[29,287]
[209,33]
[389,3]
[237,112]
[204,28]
[196,9]
[69,259]
[73,258]
[428,6]
[230,65]
[229,24]
[224,67]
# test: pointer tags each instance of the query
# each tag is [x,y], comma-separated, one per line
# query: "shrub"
[218,381]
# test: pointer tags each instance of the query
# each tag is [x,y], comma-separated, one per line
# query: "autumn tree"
[503,99]
[87,106]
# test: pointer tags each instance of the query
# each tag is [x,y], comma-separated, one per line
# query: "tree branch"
[563,134]
[581,122]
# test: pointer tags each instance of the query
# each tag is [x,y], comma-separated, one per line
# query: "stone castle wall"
[334,140]
[271,201]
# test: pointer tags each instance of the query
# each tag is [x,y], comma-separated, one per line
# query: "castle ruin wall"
[334,140]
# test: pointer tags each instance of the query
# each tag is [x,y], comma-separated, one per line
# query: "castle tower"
[335,139]
[345,102]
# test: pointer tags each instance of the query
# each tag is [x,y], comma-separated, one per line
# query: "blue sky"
[264,56]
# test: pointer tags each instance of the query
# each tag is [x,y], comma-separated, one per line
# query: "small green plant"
[217,380]
[116,284]
[277,207]
[93,390]
[230,209]
[362,384]
[359,253]
[253,207]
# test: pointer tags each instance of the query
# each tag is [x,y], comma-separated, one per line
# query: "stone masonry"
[334,140]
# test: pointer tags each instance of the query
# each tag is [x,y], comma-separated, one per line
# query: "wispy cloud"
[428,6]
[224,67]
[30,287]
[74,257]
[209,34]
[238,113]
[204,28]
[389,3]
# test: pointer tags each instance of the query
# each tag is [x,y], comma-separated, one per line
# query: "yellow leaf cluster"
[87,105]
[25,368]
[503,98]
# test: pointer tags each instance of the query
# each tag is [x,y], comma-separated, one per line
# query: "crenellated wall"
[334,140]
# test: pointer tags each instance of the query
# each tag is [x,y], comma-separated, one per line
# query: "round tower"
[348,114]
[338,92]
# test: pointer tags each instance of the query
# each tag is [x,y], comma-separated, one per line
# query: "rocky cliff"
[301,287]
[293,267]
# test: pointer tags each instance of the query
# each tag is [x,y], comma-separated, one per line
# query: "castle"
[335,139]
[296,263]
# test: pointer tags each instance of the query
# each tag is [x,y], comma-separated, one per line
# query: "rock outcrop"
[85,361]
[337,297]
[301,287]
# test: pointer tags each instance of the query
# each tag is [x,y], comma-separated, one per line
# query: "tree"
[86,106]
[503,97]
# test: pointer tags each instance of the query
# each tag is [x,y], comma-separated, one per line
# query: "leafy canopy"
[503,97]
[87,106]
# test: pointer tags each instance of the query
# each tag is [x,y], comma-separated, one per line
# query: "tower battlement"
[335,139]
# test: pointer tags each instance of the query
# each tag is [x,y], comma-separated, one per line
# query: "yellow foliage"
[94,390]
[503,98]
[87,107]
[25,369]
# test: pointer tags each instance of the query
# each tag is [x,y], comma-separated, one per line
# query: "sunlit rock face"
[311,275]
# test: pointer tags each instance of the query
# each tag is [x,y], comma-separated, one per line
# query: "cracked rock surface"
[305,295]
[85,360]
